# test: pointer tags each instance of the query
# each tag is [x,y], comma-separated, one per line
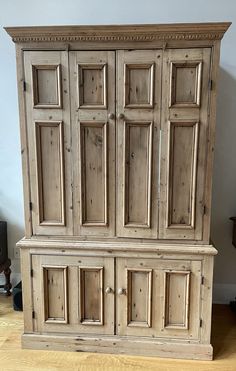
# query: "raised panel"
[50,172]
[176,300]
[139,287]
[138,85]
[93,174]
[92,86]
[92,79]
[55,294]
[137,174]
[184,130]
[183,147]
[46,86]
[185,89]
[91,295]
[72,293]
[138,138]
[46,75]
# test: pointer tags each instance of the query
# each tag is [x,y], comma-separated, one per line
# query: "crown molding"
[139,33]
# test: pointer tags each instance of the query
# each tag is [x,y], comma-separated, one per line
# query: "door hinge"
[202,280]
[210,84]
[33,314]
[204,210]
[24,85]
[31,272]
[30,206]
[200,322]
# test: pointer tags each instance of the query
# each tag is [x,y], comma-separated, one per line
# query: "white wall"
[56,12]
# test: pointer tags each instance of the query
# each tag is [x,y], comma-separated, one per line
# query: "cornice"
[122,33]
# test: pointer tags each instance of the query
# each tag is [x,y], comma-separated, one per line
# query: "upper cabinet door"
[138,127]
[184,123]
[48,129]
[92,79]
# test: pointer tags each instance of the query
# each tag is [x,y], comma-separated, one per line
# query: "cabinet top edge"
[112,247]
[140,32]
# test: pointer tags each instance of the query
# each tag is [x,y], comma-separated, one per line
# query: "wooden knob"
[121,291]
[108,290]
[121,116]
[111,116]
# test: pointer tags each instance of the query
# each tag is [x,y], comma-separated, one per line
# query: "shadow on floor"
[223,331]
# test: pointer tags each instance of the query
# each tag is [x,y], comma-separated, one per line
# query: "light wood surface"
[13,358]
[118,148]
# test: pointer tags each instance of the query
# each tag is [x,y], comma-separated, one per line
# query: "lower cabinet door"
[158,298]
[73,294]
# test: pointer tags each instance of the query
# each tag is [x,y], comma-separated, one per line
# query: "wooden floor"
[12,357]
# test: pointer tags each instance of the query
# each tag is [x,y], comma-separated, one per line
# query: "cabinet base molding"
[119,345]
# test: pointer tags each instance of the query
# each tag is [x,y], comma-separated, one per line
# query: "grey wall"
[56,12]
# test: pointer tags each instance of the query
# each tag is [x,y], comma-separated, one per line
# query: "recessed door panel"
[176,299]
[183,142]
[46,86]
[139,291]
[49,141]
[184,128]
[50,172]
[92,81]
[55,294]
[91,295]
[93,170]
[185,83]
[138,155]
[139,85]
[138,125]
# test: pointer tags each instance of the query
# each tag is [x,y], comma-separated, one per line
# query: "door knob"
[111,116]
[108,290]
[121,116]
[121,291]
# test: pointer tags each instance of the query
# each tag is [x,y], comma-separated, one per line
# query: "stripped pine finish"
[117,132]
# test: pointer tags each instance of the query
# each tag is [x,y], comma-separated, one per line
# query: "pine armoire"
[117,140]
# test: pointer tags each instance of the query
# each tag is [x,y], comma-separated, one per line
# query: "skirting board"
[119,345]
[224,293]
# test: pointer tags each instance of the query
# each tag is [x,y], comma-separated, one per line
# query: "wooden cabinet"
[158,298]
[73,295]
[184,125]
[117,133]
[153,298]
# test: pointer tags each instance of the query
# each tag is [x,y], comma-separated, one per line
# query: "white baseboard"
[15,278]
[224,293]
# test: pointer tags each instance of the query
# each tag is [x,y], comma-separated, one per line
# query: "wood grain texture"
[14,358]
[134,33]
[49,141]
[71,294]
[93,142]
[117,138]
[188,161]
[138,134]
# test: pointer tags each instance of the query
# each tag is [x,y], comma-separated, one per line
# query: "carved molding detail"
[120,33]
[140,37]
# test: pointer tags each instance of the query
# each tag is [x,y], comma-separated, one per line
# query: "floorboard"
[12,357]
